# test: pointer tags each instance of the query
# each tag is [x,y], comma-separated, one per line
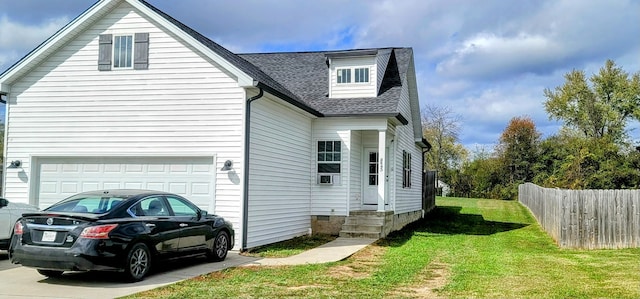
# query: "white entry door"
[191,177]
[370,177]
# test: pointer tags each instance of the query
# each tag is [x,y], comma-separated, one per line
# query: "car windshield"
[94,204]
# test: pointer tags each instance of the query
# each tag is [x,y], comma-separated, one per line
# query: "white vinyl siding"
[182,105]
[338,199]
[352,88]
[280,180]
[355,179]
[407,199]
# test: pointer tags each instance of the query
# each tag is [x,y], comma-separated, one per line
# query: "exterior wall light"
[15,164]
[228,165]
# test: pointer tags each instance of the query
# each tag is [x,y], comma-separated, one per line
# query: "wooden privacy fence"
[428,190]
[588,219]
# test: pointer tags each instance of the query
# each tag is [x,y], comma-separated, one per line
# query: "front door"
[371,177]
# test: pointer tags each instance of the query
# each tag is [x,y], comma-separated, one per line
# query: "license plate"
[48,236]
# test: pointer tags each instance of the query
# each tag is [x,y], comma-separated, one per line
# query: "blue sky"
[488,61]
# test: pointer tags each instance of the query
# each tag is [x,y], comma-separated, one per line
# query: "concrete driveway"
[22,282]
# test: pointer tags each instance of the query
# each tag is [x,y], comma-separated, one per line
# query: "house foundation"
[374,224]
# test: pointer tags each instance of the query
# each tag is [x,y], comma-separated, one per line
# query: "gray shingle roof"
[302,78]
[305,74]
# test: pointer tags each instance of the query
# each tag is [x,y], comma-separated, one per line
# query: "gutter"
[245,199]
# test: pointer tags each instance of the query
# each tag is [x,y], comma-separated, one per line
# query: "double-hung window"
[406,169]
[122,51]
[329,156]
[126,51]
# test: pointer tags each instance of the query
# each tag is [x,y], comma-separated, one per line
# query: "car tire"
[50,273]
[220,247]
[138,262]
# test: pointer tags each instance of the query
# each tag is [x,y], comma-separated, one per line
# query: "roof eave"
[244,80]
[352,53]
[34,57]
[397,116]
[287,99]
[424,144]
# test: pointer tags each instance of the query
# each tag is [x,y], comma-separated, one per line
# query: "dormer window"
[361,75]
[344,76]
[353,74]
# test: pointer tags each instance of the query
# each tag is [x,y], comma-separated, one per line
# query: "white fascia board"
[55,40]
[5,88]
[244,80]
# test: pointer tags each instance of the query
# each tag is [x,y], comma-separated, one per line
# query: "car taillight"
[97,232]
[17,228]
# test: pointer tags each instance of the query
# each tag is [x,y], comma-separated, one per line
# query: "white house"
[281,144]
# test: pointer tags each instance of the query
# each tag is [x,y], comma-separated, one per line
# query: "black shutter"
[104,52]
[141,55]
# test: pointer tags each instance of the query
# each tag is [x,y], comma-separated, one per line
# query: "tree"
[601,109]
[518,149]
[441,127]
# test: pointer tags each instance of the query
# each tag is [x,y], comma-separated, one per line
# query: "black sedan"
[117,230]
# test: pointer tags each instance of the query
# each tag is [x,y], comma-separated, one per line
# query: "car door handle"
[183,225]
[150,225]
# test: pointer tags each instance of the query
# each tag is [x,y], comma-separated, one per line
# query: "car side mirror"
[3,202]
[201,214]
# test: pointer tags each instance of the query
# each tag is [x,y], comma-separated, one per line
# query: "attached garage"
[59,177]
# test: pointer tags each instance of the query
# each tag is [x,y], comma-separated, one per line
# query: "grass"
[290,247]
[465,248]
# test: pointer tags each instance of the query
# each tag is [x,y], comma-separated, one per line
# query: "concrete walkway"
[21,282]
[336,250]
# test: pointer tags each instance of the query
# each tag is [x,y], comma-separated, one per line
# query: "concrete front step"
[357,234]
[364,221]
[362,228]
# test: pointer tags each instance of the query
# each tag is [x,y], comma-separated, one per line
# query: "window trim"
[406,169]
[131,53]
[355,75]
[340,72]
[333,152]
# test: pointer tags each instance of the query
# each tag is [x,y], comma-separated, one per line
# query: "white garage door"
[191,177]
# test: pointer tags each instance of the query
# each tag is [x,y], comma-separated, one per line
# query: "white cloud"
[18,38]
[17,35]
[490,56]
[488,61]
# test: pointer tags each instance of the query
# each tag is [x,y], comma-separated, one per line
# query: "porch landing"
[374,224]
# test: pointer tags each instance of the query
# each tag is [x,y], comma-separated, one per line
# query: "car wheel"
[220,247]
[50,273]
[138,262]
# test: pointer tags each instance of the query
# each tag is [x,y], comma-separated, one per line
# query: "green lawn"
[465,248]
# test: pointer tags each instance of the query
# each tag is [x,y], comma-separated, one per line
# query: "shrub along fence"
[588,219]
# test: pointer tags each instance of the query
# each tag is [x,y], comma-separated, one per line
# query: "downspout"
[247,140]
[3,172]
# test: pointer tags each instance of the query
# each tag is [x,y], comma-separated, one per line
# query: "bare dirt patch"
[432,278]
[361,264]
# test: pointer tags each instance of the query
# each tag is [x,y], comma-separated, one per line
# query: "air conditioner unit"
[325,179]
